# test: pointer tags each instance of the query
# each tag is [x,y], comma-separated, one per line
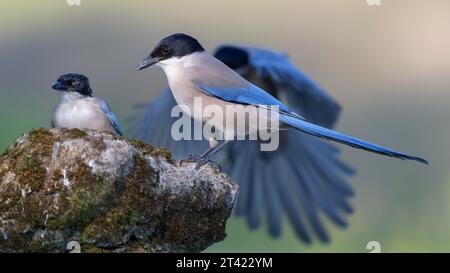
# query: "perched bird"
[79,109]
[302,192]
[304,176]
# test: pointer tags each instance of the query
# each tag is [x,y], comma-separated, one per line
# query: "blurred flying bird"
[304,176]
[79,109]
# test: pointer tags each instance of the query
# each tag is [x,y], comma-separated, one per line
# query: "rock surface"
[107,194]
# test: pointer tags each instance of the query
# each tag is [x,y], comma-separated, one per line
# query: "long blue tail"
[318,131]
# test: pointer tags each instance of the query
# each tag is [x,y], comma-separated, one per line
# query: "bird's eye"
[165,50]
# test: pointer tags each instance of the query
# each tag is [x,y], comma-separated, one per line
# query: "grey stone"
[107,194]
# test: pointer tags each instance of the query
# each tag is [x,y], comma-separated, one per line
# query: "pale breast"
[202,68]
[199,68]
[73,115]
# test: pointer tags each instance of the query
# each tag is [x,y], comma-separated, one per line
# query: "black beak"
[59,86]
[147,62]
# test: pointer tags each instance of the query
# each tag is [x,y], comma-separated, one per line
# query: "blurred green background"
[387,65]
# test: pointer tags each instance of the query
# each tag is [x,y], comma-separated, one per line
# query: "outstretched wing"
[293,87]
[303,179]
[154,127]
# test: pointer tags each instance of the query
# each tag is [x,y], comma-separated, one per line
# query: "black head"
[173,46]
[73,82]
[233,57]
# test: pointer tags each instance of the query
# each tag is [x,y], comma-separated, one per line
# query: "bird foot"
[200,160]
[193,157]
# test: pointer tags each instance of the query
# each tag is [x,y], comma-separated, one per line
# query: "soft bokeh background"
[389,67]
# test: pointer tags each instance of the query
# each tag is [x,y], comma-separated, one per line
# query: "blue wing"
[271,183]
[282,79]
[249,95]
[112,118]
[282,188]
[154,127]
[256,96]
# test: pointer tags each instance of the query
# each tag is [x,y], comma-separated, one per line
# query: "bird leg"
[204,158]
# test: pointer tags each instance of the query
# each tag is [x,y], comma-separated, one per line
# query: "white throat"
[71,96]
[187,60]
[174,66]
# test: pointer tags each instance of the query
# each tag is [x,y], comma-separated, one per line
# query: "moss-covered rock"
[108,194]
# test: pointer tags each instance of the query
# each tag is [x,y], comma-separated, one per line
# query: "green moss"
[28,169]
[57,175]
[42,139]
[87,197]
[8,200]
[140,165]
[127,209]
[31,171]
[32,209]
[40,135]
[103,215]
[98,144]
[151,150]
[16,240]
[76,133]
[142,174]
[44,136]
[112,227]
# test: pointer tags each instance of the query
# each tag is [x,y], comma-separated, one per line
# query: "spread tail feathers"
[318,131]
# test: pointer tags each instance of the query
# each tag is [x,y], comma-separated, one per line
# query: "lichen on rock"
[107,193]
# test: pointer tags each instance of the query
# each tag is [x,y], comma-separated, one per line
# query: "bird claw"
[200,162]
[193,157]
